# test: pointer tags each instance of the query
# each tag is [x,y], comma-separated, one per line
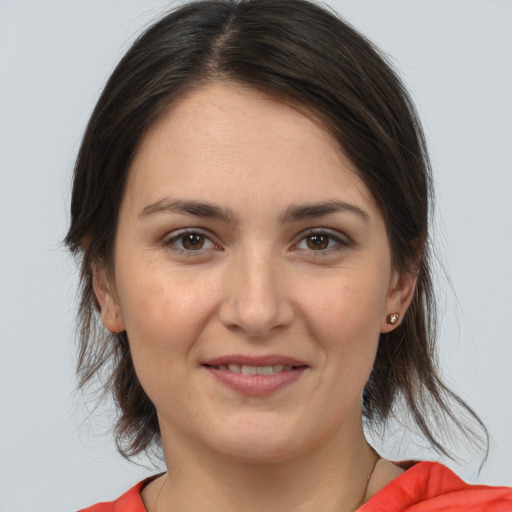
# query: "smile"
[255,376]
[254,370]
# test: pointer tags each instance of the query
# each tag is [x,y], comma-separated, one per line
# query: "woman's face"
[252,274]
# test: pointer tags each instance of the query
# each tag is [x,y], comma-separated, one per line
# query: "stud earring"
[115,315]
[393,318]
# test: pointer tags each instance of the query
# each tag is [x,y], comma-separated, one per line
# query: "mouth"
[254,370]
[256,376]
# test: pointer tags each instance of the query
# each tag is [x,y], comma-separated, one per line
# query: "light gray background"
[54,58]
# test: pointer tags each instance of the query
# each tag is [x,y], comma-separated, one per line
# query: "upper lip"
[244,360]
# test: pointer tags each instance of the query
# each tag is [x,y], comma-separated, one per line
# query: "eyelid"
[343,241]
[170,239]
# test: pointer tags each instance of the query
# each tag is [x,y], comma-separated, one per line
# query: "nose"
[255,300]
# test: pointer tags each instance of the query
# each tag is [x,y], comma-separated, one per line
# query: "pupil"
[318,241]
[193,241]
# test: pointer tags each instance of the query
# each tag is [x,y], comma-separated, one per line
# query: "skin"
[252,285]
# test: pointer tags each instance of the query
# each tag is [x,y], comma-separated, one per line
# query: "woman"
[251,204]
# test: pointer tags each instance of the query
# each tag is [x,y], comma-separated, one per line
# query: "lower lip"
[257,385]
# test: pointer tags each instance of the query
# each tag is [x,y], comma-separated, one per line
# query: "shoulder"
[130,501]
[432,487]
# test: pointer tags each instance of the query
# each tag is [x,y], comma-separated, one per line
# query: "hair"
[307,56]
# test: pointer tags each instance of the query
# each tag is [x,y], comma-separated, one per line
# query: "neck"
[331,477]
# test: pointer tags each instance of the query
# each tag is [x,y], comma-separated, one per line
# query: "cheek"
[345,317]
[164,313]
[164,310]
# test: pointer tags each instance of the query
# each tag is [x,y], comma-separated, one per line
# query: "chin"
[263,443]
[251,450]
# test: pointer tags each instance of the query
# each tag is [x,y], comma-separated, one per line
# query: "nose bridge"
[256,300]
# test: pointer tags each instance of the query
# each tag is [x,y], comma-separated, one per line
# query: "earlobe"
[109,308]
[399,297]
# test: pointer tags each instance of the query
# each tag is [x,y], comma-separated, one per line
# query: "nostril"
[256,320]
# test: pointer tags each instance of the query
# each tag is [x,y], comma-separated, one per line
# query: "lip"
[268,360]
[256,385]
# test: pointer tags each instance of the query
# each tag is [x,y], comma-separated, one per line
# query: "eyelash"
[341,242]
[172,241]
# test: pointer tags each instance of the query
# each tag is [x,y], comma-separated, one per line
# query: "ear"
[107,301]
[400,294]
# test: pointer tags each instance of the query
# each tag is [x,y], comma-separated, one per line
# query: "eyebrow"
[300,212]
[198,208]
[293,213]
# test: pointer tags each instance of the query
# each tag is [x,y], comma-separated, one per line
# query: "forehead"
[241,140]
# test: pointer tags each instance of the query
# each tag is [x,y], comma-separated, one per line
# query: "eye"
[318,241]
[322,242]
[190,241]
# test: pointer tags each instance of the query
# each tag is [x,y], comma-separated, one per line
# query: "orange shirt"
[425,487]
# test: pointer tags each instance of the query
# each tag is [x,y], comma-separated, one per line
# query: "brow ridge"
[300,212]
[190,207]
[292,214]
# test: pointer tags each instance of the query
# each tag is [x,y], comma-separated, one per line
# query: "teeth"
[255,370]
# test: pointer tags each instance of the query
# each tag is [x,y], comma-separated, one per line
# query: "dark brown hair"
[303,54]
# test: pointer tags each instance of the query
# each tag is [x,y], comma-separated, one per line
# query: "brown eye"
[192,241]
[317,242]
[323,242]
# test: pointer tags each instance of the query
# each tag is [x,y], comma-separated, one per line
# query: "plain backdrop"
[55,56]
